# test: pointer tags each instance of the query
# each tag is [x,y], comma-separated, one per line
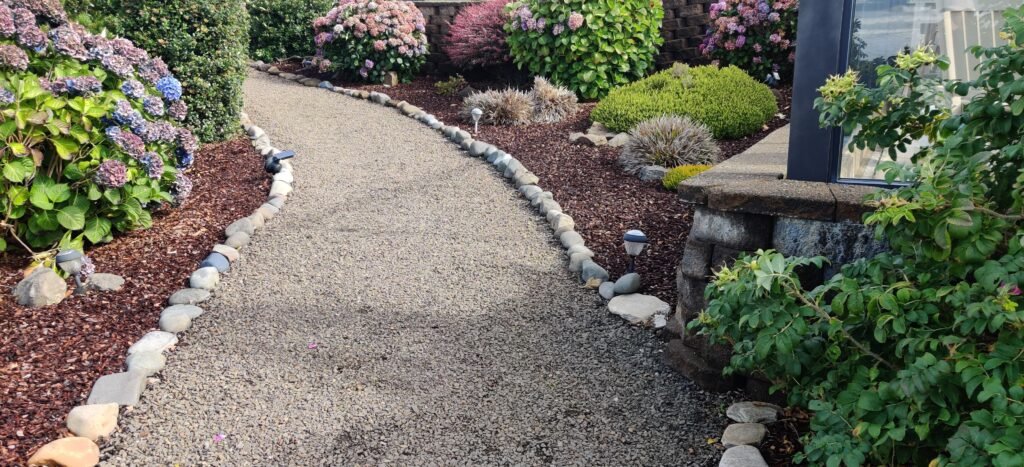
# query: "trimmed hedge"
[283,28]
[205,44]
[727,100]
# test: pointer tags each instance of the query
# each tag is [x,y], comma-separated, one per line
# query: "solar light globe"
[634,241]
[476,113]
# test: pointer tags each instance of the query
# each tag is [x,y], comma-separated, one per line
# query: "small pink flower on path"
[311,346]
[219,437]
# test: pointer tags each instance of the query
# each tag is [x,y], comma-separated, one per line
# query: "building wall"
[683,29]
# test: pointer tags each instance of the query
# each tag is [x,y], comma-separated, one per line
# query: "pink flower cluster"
[523,19]
[756,35]
[391,29]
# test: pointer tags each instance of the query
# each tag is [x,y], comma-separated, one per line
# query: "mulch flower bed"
[586,181]
[50,357]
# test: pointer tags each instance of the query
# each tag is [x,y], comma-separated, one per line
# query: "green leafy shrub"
[589,46]
[912,357]
[668,141]
[283,28]
[205,43]
[727,100]
[450,86]
[89,147]
[677,175]
[369,39]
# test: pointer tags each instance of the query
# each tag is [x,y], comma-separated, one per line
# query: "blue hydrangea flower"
[185,159]
[84,85]
[169,87]
[153,106]
[6,97]
[133,89]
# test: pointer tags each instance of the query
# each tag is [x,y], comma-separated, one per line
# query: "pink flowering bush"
[86,122]
[477,37]
[758,36]
[371,38]
[588,46]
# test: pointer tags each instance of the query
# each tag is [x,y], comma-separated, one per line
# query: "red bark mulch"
[50,357]
[587,182]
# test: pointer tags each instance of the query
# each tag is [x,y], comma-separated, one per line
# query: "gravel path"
[446,329]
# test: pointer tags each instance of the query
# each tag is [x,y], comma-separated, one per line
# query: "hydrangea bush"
[589,46]
[914,356]
[477,37]
[368,38]
[90,143]
[758,36]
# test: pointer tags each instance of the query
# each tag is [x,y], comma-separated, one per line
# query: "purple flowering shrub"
[588,46]
[758,36]
[87,123]
[371,38]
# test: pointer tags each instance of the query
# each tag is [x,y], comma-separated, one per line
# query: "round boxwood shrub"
[205,43]
[86,122]
[589,46]
[283,28]
[368,39]
[727,100]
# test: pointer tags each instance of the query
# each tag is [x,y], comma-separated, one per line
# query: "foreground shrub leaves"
[915,356]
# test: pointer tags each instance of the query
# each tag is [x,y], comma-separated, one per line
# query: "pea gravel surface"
[406,307]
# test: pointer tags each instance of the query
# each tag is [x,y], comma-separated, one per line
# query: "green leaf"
[97,229]
[71,218]
[65,146]
[17,170]
[39,197]
[869,401]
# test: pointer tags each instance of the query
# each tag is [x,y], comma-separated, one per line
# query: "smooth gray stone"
[461,136]
[204,278]
[495,155]
[524,177]
[466,143]
[191,311]
[743,434]
[491,150]
[149,363]
[753,412]
[592,270]
[277,202]
[119,388]
[576,261]
[175,322]
[545,196]
[562,224]
[230,253]
[638,308]
[104,282]
[478,148]
[502,163]
[606,290]
[42,287]
[512,167]
[268,211]
[579,249]
[154,341]
[652,173]
[435,124]
[189,297]
[549,205]
[742,456]
[571,239]
[241,225]
[238,240]
[284,176]
[530,191]
[630,283]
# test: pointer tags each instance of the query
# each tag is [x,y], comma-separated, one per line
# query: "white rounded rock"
[205,278]
[96,421]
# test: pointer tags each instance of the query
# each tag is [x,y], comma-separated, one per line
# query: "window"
[882,28]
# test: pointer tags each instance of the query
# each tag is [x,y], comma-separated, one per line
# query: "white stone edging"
[98,418]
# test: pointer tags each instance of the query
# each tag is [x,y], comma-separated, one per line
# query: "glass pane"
[883,28]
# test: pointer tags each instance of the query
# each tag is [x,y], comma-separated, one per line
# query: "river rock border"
[526,182]
[98,418]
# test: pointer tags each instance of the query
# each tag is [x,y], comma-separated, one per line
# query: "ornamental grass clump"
[87,123]
[757,36]
[668,141]
[477,37]
[551,103]
[367,39]
[505,107]
[727,100]
[913,356]
[588,46]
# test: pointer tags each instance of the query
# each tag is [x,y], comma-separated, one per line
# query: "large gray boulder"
[42,287]
[638,308]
